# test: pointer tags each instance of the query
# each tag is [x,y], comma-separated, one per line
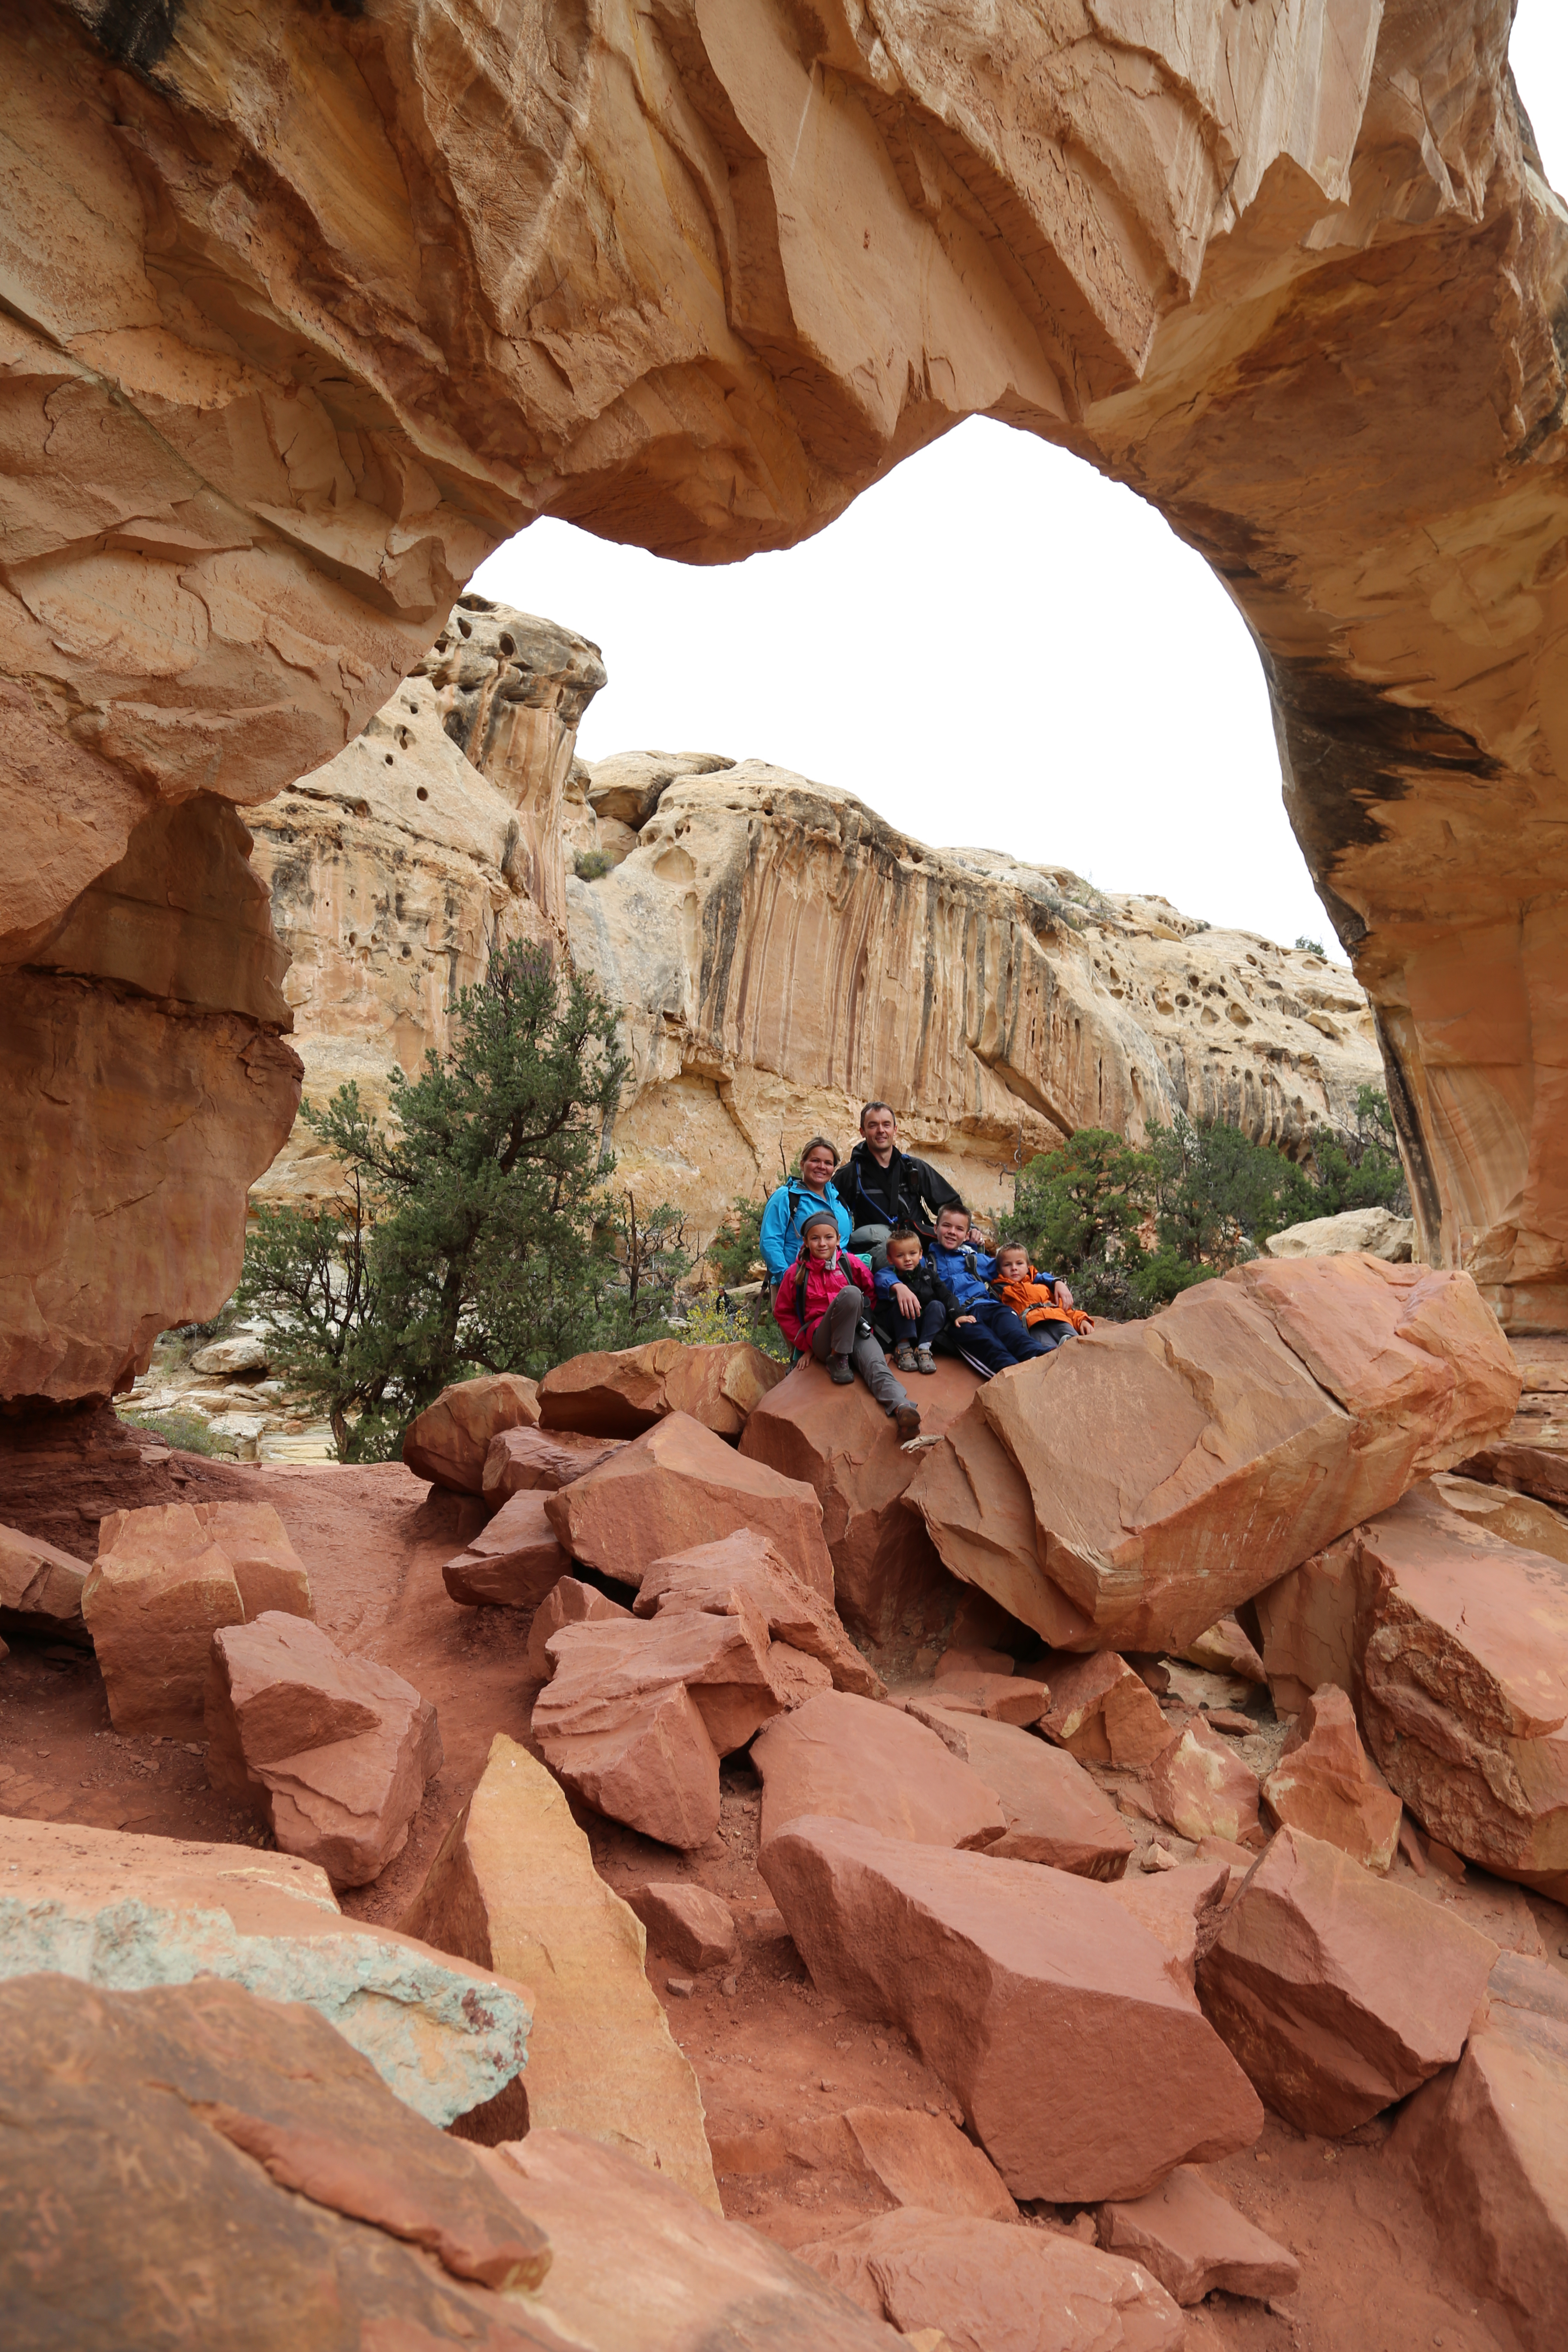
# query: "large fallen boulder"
[982,2286]
[746,1567]
[123,1912]
[167,1578]
[981,1962]
[512,1563]
[1374,1232]
[1054,1811]
[448,1442]
[1194,2241]
[1338,1992]
[40,1588]
[1326,1784]
[637,1713]
[521,1460]
[333,1750]
[852,1760]
[677,1485]
[1453,1646]
[637,2266]
[1155,1474]
[888,1578]
[621,1392]
[1487,2144]
[513,1887]
[226,2169]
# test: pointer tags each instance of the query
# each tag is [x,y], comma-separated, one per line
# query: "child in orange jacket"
[1037,1300]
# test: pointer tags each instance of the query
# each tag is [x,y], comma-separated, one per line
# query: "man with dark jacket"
[882,1187]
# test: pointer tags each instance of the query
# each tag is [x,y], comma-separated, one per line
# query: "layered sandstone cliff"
[777,953]
[306,308]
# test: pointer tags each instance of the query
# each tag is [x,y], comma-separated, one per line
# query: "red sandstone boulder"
[1103,1713]
[678,1486]
[1182,1909]
[851,1759]
[1194,2240]
[1326,1784]
[333,1750]
[1202,1787]
[1224,1649]
[40,1588]
[448,1442]
[914,2158]
[1054,1812]
[1453,1645]
[745,1569]
[512,1562]
[1338,1992]
[167,1577]
[686,1921]
[887,1576]
[569,1602]
[981,2287]
[521,1460]
[1157,1471]
[1016,1699]
[983,1962]
[1487,2144]
[621,1392]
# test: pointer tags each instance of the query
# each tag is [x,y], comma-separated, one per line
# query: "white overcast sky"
[993,648]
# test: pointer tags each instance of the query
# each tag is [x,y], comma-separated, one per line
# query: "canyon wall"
[777,953]
[305,308]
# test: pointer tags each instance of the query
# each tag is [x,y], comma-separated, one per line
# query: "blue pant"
[995,1338]
[904,1328]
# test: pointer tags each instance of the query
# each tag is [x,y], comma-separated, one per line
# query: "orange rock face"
[1125,1489]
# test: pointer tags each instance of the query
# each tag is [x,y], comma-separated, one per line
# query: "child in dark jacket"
[907,1281]
[821,1305]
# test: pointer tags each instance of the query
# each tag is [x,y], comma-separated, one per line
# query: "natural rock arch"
[306,308]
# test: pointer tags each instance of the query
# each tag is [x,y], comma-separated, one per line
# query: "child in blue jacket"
[995,1337]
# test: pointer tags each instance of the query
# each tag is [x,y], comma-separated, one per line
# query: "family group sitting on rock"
[877,1255]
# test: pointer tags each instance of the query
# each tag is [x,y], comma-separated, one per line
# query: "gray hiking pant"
[838,1334]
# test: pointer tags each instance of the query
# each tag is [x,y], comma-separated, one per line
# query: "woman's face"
[817,1168]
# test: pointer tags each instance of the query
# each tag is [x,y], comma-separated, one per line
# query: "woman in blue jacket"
[794,1199]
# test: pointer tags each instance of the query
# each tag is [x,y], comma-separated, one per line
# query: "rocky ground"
[777,2058]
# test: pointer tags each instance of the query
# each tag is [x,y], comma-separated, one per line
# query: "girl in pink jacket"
[822,1306]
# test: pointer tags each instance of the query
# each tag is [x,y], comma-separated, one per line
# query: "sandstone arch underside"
[305,308]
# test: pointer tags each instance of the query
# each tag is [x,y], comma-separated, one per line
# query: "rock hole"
[421,794]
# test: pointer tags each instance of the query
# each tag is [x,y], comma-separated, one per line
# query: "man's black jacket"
[908,1191]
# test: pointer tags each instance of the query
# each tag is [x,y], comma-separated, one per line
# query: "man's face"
[817,1168]
[952,1229]
[821,1241]
[879,1129]
[903,1256]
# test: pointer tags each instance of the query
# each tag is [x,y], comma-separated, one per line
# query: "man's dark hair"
[866,1108]
[903,1233]
[817,1143]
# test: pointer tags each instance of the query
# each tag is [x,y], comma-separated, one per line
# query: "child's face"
[952,1229]
[821,1241]
[1012,1264]
[903,1256]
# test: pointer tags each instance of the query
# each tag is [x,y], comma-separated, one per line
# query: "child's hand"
[1064,1296]
[964,1318]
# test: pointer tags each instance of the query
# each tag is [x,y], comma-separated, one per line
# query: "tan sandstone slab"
[677,1485]
[977,1961]
[1339,1993]
[887,1577]
[334,1750]
[1194,2240]
[1326,1784]
[40,1587]
[513,1561]
[1054,1811]
[1202,1787]
[1487,2144]
[985,2287]
[523,1459]
[1176,1467]
[448,1442]
[621,1392]
[166,1579]
[920,2159]
[513,1887]
[858,1761]
[746,1568]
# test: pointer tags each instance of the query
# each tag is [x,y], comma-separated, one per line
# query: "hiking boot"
[902,1357]
[907,1421]
[841,1372]
[924,1360]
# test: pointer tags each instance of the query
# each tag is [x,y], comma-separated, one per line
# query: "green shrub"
[737,1246]
[186,1431]
[591,865]
[1310,946]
